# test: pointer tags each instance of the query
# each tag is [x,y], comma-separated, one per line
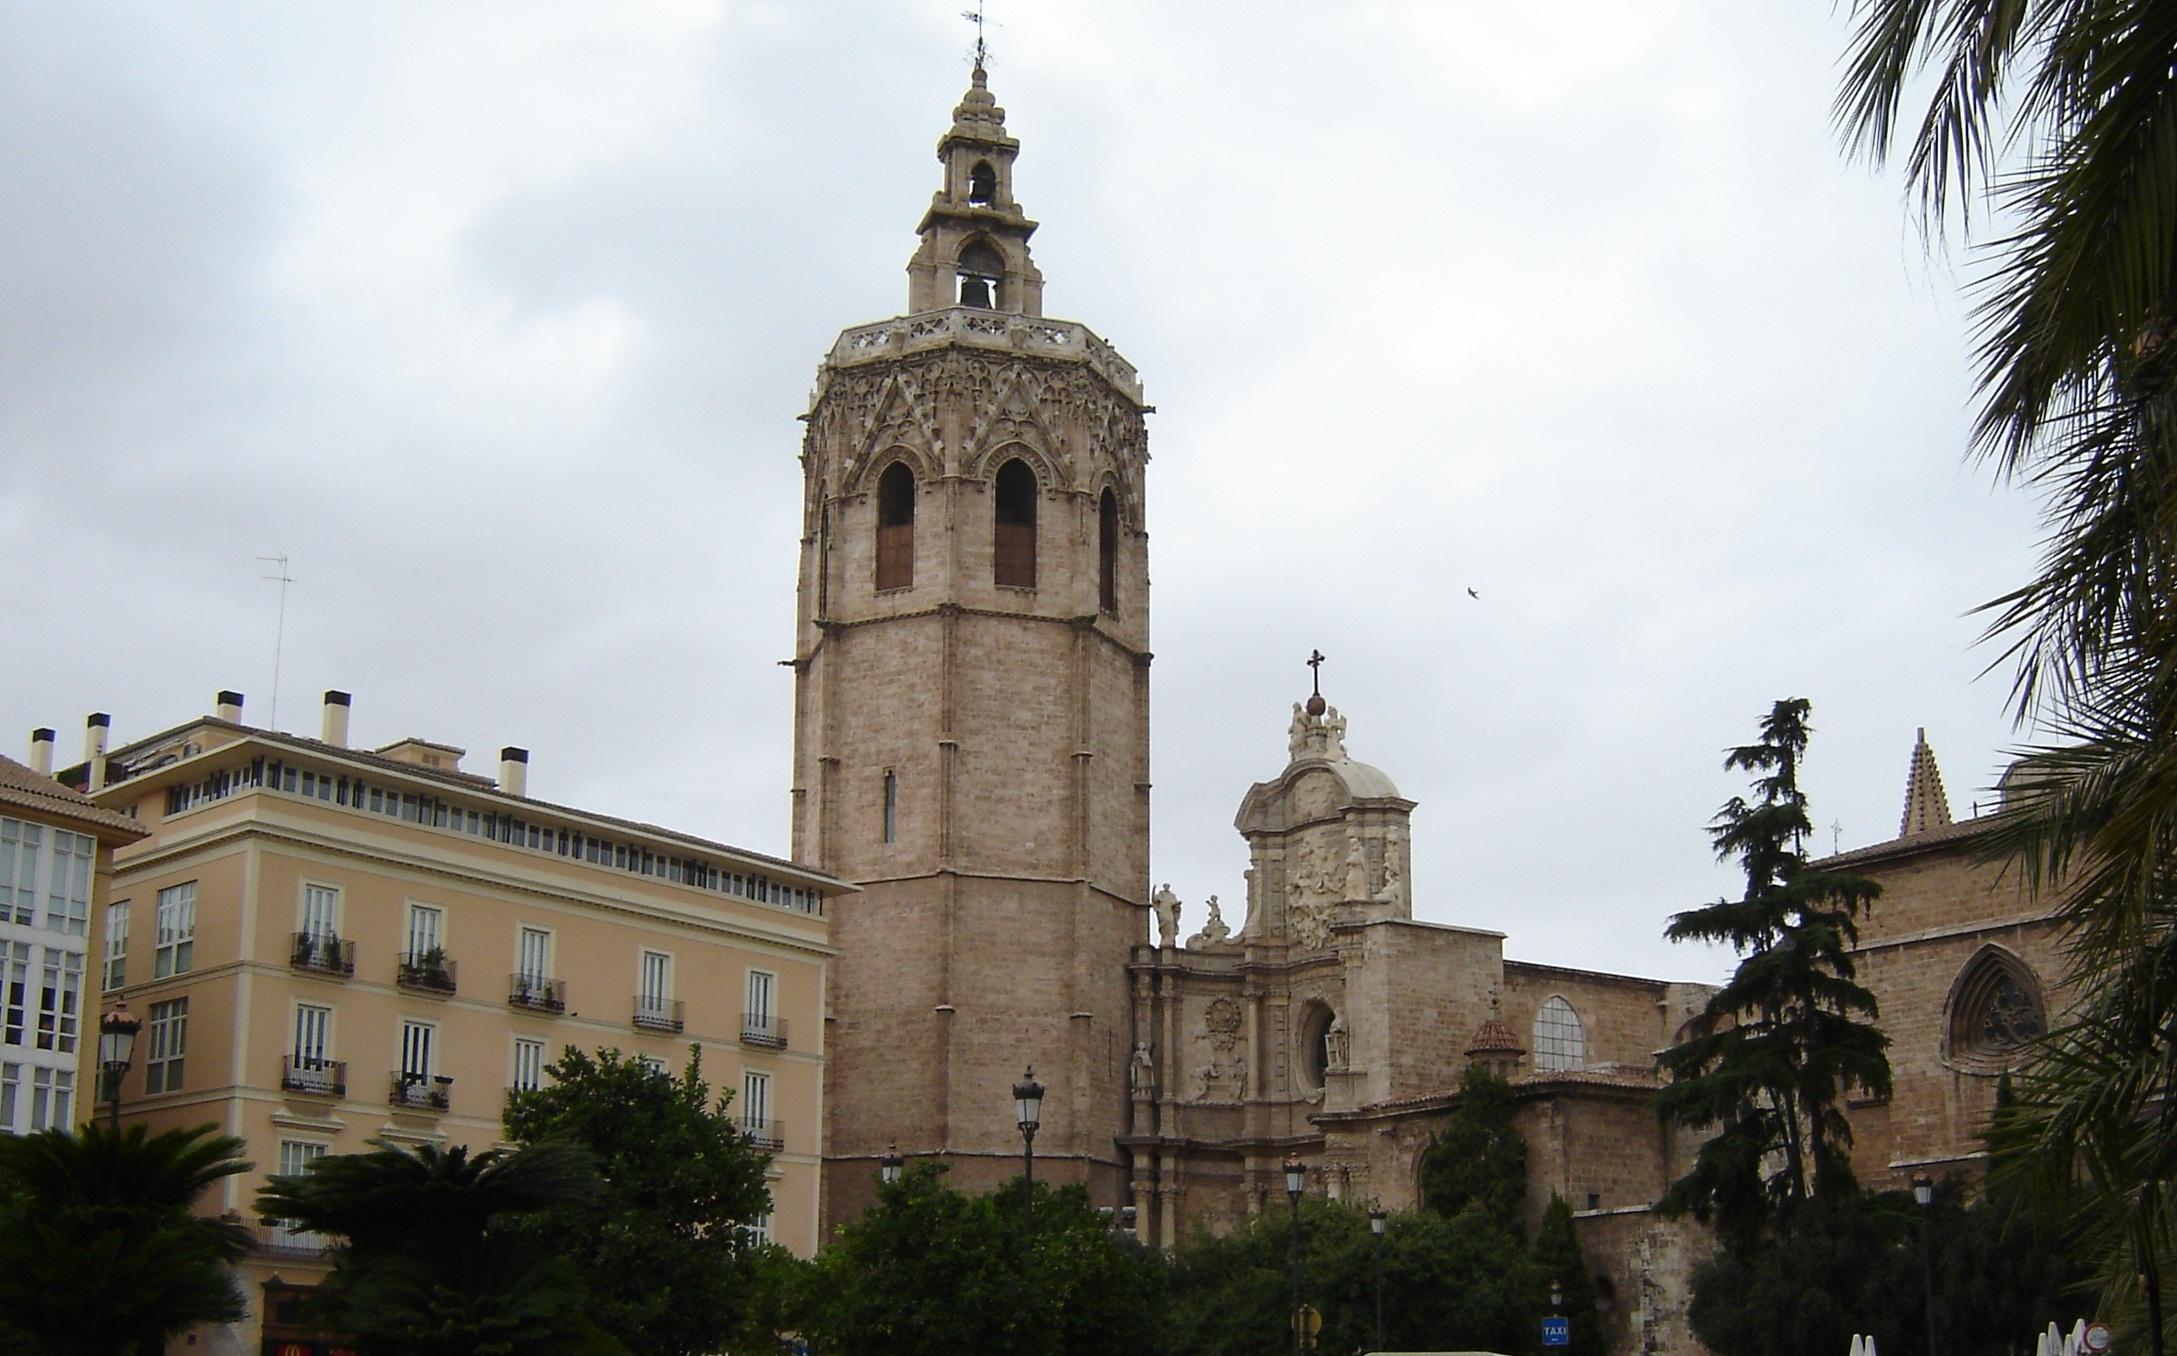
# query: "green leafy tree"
[2062,113]
[1842,1268]
[1458,1283]
[930,1271]
[661,1245]
[100,1254]
[1766,1065]
[1557,1254]
[1477,1159]
[429,1266]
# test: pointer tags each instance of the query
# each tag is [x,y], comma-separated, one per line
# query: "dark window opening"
[981,269]
[891,807]
[1015,556]
[896,527]
[982,184]
[1107,553]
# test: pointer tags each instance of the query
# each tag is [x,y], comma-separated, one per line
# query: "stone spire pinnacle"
[1926,807]
[975,237]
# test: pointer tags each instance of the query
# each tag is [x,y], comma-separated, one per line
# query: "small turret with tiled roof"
[1495,1046]
[1926,807]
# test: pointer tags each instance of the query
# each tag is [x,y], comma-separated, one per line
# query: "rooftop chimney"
[41,751]
[95,728]
[514,771]
[335,730]
[229,707]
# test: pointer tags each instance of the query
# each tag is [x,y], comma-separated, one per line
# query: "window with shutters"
[1107,553]
[528,1064]
[113,971]
[1014,510]
[174,946]
[896,527]
[167,1036]
[60,1000]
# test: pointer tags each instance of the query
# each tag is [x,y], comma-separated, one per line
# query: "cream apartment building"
[329,945]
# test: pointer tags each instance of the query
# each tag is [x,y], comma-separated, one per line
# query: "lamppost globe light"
[117,1037]
[1296,1177]
[116,1051]
[888,1167]
[1557,1295]
[1028,1106]
[1028,1101]
[1923,1188]
[1377,1216]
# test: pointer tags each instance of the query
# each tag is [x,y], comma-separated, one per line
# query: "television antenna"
[279,632]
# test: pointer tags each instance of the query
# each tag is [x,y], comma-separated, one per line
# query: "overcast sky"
[495,319]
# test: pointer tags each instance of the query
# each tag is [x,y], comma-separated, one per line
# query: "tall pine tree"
[1766,1066]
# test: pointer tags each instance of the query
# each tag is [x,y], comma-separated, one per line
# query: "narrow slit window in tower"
[981,270]
[891,807]
[896,527]
[1014,560]
[1107,553]
[982,184]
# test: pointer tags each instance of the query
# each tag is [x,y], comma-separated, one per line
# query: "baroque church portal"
[972,750]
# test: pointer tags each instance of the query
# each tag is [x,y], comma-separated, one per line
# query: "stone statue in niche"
[1337,1044]
[1356,884]
[1166,905]
[1143,1072]
[1213,931]
[1221,1023]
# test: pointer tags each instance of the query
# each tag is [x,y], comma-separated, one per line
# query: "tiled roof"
[26,789]
[1493,1036]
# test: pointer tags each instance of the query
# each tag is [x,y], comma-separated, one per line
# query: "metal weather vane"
[975,16]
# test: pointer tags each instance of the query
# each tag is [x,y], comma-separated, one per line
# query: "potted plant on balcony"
[429,969]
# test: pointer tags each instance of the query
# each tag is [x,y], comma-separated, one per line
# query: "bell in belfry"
[975,291]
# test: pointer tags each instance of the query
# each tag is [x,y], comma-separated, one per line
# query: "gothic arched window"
[1107,553]
[1559,1043]
[982,184]
[1014,556]
[981,271]
[896,527]
[1995,1008]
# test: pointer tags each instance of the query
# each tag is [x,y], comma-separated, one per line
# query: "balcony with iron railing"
[763,1134]
[284,1240]
[536,993]
[659,1014]
[765,1030]
[427,971]
[322,1077]
[322,953]
[420,1092]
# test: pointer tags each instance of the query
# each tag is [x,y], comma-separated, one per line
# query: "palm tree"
[99,1253]
[2063,113]
[423,1271]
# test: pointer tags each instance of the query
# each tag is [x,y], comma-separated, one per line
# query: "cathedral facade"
[972,751]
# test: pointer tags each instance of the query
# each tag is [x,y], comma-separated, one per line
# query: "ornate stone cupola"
[974,237]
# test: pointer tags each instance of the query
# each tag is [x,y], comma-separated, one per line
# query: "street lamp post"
[1923,1191]
[1028,1102]
[888,1166]
[1296,1178]
[116,1051]
[1377,1218]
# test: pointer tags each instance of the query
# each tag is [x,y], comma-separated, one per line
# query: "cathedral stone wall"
[1945,917]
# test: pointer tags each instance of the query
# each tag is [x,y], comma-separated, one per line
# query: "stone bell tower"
[971,706]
